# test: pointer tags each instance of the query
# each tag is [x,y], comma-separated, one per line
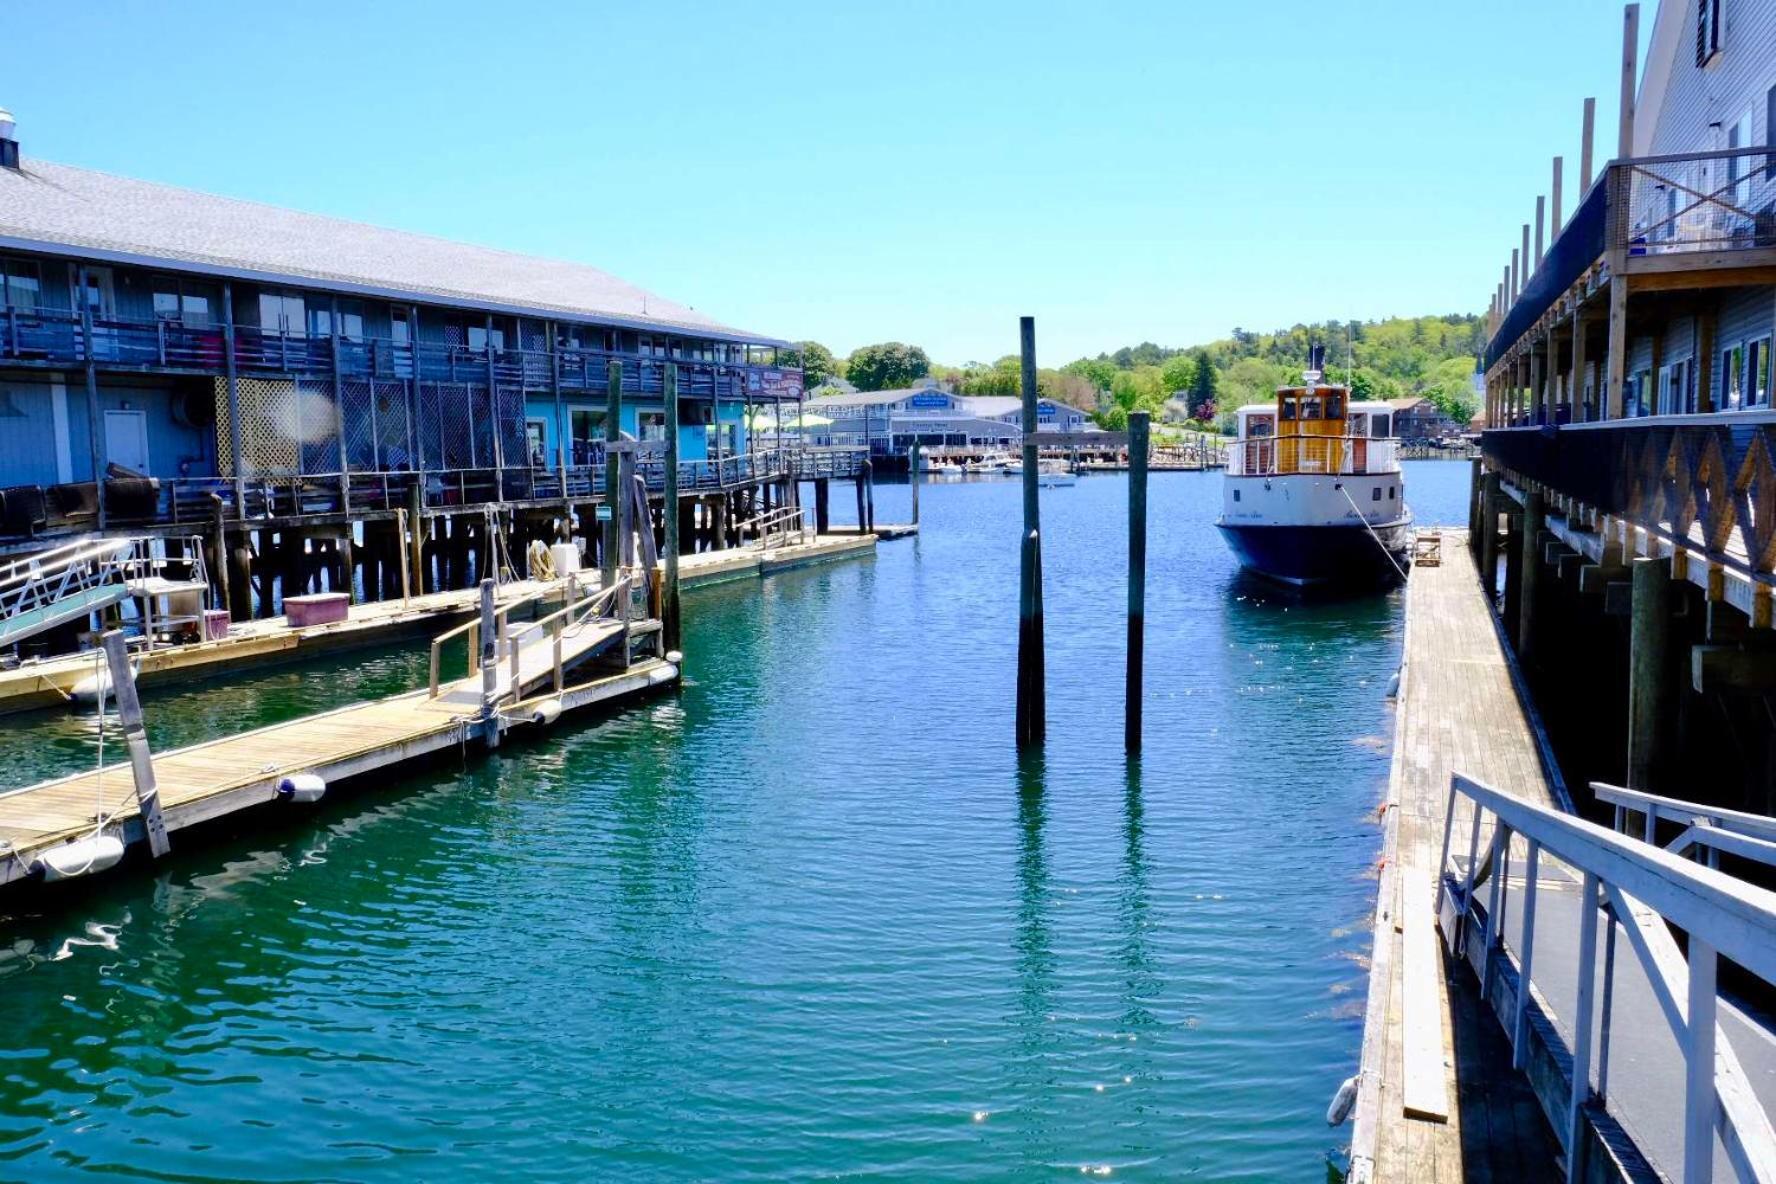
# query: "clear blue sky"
[918,170]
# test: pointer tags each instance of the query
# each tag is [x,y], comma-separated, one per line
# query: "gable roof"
[59,208]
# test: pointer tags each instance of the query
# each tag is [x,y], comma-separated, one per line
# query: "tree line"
[1204,385]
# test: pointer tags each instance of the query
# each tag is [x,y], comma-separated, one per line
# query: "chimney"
[9,148]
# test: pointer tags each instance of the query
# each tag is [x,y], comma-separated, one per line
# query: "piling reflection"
[1141,979]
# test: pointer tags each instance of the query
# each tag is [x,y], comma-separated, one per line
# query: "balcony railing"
[1341,456]
[57,337]
[1690,203]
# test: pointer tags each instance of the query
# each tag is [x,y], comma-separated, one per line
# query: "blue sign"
[936,399]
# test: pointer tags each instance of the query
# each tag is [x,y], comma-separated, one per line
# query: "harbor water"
[812,917]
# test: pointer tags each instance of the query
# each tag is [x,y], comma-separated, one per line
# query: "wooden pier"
[1437,1099]
[538,672]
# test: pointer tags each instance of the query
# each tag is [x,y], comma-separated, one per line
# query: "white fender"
[96,688]
[1342,1101]
[303,787]
[546,712]
[80,857]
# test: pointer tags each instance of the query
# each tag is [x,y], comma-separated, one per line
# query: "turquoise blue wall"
[693,438]
[29,448]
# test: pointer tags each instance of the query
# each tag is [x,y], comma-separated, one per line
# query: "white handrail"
[1647,887]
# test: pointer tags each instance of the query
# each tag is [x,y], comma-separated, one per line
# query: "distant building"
[1418,419]
[888,422]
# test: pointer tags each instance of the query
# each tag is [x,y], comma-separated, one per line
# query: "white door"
[126,439]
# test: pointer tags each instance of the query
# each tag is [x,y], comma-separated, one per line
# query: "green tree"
[1179,373]
[1132,390]
[1203,388]
[1099,371]
[818,364]
[887,366]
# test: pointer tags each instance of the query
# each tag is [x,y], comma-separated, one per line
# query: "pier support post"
[219,572]
[415,542]
[862,516]
[1529,558]
[1489,524]
[913,476]
[129,710]
[869,496]
[669,606]
[613,488]
[1476,491]
[489,667]
[822,506]
[1137,580]
[1649,638]
[240,580]
[1032,709]
[1514,556]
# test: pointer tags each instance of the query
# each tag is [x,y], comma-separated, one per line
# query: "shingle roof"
[872,398]
[60,208]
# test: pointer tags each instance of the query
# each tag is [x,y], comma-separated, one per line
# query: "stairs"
[51,588]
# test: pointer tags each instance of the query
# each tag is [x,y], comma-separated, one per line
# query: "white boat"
[1014,467]
[949,469]
[1055,474]
[1313,493]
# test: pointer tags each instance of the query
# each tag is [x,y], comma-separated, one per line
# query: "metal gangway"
[51,588]
[1644,1068]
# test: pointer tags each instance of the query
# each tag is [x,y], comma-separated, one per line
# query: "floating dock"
[1437,1098]
[261,644]
[526,677]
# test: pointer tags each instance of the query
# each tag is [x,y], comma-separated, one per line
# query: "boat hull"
[1330,555]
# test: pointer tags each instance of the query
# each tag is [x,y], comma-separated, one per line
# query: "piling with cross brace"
[1648,649]
[1137,580]
[1031,706]
[489,666]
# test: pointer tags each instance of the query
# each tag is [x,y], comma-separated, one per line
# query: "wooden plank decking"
[1428,1045]
[207,780]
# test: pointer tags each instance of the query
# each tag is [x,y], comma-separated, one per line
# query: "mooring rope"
[1371,530]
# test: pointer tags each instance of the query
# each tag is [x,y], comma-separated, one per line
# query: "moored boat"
[1313,495]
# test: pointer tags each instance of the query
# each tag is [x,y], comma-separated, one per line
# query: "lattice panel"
[456,430]
[358,404]
[271,430]
[394,437]
[514,449]
[314,426]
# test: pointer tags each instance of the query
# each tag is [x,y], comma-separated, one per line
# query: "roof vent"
[9,148]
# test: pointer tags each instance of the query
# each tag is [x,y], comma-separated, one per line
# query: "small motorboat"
[1055,475]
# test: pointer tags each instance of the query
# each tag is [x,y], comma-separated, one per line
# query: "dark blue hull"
[1323,556]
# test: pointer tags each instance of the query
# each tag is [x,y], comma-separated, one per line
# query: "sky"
[922,171]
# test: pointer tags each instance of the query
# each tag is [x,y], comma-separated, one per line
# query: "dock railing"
[576,611]
[784,524]
[609,602]
[1642,889]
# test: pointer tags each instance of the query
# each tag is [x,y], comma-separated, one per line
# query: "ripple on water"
[810,918]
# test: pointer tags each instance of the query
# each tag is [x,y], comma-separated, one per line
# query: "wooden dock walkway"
[1437,1099]
[209,780]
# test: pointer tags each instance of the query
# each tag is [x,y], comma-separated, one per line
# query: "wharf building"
[292,388]
[1625,509]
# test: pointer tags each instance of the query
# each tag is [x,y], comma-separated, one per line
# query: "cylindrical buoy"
[546,712]
[80,857]
[302,787]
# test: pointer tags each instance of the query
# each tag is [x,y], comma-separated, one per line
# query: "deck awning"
[1579,245]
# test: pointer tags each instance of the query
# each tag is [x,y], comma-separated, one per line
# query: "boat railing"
[1345,456]
[1633,885]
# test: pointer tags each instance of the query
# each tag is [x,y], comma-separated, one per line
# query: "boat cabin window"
[1259,426]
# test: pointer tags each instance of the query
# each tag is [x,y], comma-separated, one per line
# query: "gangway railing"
[1643,889]
[577,611]
[784,524]
[54,587]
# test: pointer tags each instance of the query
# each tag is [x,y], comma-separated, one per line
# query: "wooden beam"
[1541,218]
[1732,668]
[1587,136]
[1425,1092]
[1554,202]
[1630,72]
[1616,354]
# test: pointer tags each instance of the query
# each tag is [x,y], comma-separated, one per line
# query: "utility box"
[566,558]
[323,608]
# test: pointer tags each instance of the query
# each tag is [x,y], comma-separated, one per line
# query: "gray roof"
[62,209]
[873,398]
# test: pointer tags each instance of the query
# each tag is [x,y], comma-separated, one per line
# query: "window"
[653,425]
[1739,168]
[1732,378]
[1757,373]
[280,312]
[182,300]
[587,429]
[1375,494]
[478,337]
[24,284]
[1708,33]
[533,439]
[1674,389]
[351,320]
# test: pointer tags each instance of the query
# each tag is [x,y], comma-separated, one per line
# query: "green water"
[810,918]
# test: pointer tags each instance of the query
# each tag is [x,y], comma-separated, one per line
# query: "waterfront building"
[171,359]
[887,422]
[1418,420]
[1629,417]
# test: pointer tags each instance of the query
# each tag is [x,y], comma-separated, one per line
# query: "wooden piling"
[913,476]
[489,665]
[219,550]
[1534,523]
[669,604]
[135,737]
[868,481]
[240,580]
[1137,580]
[1489,520]
[823,505]
[1649,638]
[1031,706]
[613,489]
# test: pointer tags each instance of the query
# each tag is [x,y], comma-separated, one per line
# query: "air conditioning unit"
[194,407]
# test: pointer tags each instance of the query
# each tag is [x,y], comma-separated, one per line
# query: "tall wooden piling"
[1529,556]
[1137,580]
[1032,708]
[1489,523]
[613,488]
[669,606]
[135,737]
[1649,639]
[913,476]
[489,666]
